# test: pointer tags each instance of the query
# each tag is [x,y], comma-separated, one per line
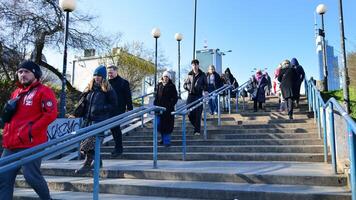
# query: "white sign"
[63,126]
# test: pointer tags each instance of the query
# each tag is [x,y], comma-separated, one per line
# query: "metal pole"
[62,106]
[73,71]
[324,56]
[195,27]
[155,141]
[155,78]
[332,138]
[183,137]
[219,111]
[142,102]
[179,92]
[205,131]
[229,101]
[345,75]
[96,168]
[352,161]
[325,137]
[237,101]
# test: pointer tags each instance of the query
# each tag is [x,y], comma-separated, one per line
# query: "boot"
[86,165]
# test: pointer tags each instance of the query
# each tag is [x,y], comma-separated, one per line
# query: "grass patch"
[339,96]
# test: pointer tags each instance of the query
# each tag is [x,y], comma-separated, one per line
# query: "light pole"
[195,27]
[321,10]
[156,33]
[67,6]
[178,37]
[345,75]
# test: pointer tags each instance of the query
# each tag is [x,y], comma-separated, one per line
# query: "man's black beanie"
[31,66]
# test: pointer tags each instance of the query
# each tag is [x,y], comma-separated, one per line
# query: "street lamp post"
[321,10]
[67,6]
[156,33]
[194,27]
[345,75]
[178,37]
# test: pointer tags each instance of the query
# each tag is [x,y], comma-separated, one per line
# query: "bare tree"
[36,24]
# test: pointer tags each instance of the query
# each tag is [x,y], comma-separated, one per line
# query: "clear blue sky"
[260,33]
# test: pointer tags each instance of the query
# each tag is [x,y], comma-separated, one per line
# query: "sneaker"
[215,113]
[197,133]
[290,117]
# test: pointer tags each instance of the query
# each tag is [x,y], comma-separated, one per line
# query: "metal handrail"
[184,110]
[43,150]
[315,102]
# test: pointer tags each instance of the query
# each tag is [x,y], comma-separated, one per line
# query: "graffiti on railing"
[62,127]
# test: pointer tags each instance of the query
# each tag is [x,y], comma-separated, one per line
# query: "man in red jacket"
[36,109]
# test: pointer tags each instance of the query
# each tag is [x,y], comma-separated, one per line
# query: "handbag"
[79,110]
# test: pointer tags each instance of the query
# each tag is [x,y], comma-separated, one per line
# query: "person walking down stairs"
[98,103]
[259,82]
[166,97]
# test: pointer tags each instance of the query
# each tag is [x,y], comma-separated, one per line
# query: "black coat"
[123,92]
[218,82]
[166,97]
[99,105]
[288,79]
[196,84]
[300,76]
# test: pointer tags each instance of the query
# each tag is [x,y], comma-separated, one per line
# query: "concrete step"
[196,189]
[239,129]
[291,173]
[221,149]
[217,136]
[200,141]
[233,156]
[29,194]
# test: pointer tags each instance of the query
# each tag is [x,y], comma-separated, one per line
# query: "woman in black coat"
[98,103]
[288,79]
[166,97]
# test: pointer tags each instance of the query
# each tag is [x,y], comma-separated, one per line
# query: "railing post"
[204,108]
[183,137]
[314,105]
[142,103]
[332,137]
[229,100]
[310,99]
[96,167]
[318,116]
[243,103]
[219,111]
[237,101]
[352,161]
[155,121]
[325,137]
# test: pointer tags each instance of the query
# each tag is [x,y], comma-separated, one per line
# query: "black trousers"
[117,135]
[255,105]
[290,106]
[195,115]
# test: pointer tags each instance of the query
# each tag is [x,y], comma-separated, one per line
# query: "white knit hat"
[166,73]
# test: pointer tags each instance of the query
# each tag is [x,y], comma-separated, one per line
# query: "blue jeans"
[32,174]
[213,103]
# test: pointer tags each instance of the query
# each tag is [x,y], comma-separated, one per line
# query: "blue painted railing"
[16,160]
[315,103]
[185,109]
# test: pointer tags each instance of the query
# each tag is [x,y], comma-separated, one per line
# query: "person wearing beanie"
[27,127]
[301,75]
[124,101]
[97,103]
[167,97]
[100,71]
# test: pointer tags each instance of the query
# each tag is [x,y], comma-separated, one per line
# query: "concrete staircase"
[253,155]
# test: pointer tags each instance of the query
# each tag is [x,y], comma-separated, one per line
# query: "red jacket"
[35,111]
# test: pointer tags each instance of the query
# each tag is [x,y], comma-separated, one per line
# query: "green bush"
[339,96]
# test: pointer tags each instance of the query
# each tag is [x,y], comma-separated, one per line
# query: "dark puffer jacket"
[99,105]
